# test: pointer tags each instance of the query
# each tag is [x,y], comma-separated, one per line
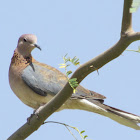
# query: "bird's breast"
[23,92]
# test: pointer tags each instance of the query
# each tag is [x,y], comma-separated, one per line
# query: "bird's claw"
[36,113]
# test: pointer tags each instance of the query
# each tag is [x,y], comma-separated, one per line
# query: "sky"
[83,29]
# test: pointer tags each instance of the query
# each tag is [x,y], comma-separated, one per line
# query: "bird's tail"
[120,116]
[123,117]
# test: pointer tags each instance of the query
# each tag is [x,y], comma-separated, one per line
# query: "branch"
[127,37]
[127,29]
[135,36]
[127,17]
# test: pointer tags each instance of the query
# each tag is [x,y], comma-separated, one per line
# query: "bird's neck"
[19,59]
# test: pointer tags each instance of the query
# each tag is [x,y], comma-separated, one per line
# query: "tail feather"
[120,116]
[123,117]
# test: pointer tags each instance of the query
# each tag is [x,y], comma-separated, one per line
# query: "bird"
[35,84]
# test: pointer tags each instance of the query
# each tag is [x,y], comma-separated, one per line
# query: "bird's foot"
[36,113]
[31,116]
[29,119]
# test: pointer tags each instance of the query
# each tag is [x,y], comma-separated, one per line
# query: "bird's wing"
[44,79]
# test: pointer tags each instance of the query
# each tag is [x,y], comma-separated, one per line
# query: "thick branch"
[127,18]
[127,37]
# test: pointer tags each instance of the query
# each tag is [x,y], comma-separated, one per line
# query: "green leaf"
[73,79]
[73,83]
[85,136]
[72,60]
[62,66]
[78,63]
[135,5]
[74,86]
[82,131]
[69,72]
[67,60]
[75,61]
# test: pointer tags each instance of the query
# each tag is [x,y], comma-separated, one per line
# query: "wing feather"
[44,79]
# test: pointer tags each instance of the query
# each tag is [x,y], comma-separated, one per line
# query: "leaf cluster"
[67,62]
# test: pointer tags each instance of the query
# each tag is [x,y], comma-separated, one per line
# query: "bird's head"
[26,44]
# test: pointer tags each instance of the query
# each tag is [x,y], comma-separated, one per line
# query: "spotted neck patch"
[18,59]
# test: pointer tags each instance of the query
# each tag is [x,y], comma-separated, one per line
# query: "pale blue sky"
[82,28]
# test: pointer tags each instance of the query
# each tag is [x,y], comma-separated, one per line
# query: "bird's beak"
[37,46]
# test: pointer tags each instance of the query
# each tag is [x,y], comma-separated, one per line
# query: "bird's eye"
[25,40]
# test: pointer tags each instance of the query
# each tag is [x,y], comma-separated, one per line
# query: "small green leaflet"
[68,72]
[135,5]
[82,131]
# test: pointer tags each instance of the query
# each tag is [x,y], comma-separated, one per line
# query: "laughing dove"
[35,84]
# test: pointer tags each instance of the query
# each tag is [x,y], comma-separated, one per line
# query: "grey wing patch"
[45,80]
[31,80]
[41,80]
